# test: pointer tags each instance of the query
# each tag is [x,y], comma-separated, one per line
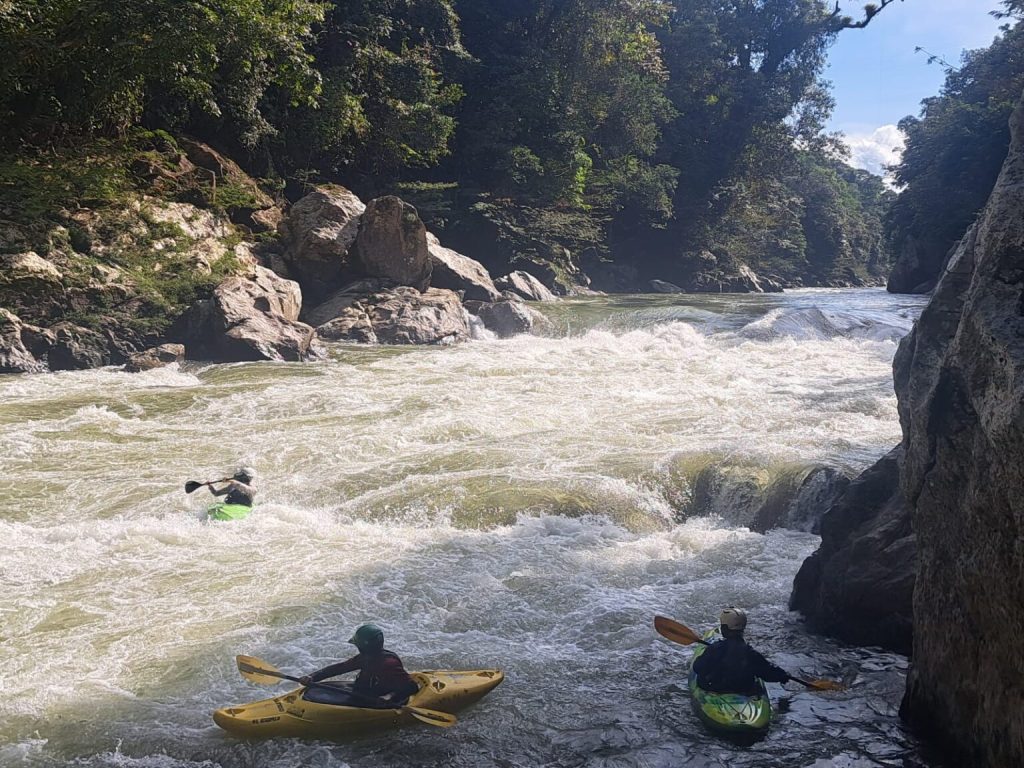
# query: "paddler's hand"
[306,680]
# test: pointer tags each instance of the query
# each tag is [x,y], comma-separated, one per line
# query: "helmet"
[244,475]
[733,619]
[368,638]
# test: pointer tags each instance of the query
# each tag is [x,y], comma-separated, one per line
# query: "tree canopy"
[642,121]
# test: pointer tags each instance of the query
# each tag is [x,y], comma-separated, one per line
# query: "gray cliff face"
[960,382]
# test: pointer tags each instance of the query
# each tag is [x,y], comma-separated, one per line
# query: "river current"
[520,504]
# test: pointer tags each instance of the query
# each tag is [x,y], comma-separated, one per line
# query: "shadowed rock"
[456,272]
[960,383]
[859,585]
[392,243]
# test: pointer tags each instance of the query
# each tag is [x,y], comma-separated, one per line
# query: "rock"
[29,265]
[318,234]
[76,348]
[456,272]
[918,267]
[660,286]
[392,243]
[155,357]
[251,317]
[506,318]
[15,356]
[960,383]
[265,219]
[525,285]
[334,305]
[859,585]
[401,315]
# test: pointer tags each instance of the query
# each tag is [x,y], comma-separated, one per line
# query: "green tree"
[953,155]
[74,67]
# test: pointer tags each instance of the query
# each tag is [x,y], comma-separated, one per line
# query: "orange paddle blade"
[676,632]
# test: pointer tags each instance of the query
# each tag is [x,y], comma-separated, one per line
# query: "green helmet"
[368,638]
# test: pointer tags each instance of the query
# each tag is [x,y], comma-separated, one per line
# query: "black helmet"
[368,638]
[244,475]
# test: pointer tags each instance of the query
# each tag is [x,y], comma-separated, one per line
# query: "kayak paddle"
[258,671]
[682,634]
[194,485]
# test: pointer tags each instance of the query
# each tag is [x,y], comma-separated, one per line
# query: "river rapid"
[519,504]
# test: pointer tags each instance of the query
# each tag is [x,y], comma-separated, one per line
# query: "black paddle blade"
[192,486]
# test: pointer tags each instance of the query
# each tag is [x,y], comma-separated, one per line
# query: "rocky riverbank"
[179,246]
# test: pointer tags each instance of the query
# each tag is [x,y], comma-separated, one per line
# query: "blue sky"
[877,77]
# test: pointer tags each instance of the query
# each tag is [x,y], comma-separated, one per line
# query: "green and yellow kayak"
[224,511]
[292,716]
[730,714]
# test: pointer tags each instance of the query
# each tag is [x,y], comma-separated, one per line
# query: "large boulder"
[508,317]
[318,234]
[526,286]
[859,585]
[250,317]
[15,356]
[960,383]
[155,357]
[392,243]
[401,315]
[76,348]
[452,270]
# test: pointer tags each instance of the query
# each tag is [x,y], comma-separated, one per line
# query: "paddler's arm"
[221,492]
[332,670]
[765,670]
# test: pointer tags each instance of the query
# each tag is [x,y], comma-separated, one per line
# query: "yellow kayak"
[291,715]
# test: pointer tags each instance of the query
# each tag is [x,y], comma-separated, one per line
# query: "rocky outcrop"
[859,585]
[525,286]
[508,317]
[15,355]
[960,382]
[318,234]
[456,272]
[155,357]
[251,317]
[401,315]
[392,243]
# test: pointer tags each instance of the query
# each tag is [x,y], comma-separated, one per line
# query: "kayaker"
[238,489]
[730,665]
[382,680]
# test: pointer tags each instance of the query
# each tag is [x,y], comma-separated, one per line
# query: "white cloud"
[876,150]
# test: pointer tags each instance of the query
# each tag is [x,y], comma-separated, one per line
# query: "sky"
[878,79]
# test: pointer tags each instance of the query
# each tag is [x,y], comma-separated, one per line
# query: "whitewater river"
[520,504]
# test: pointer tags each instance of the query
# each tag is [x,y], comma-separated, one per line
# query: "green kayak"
[730,714]
[224,511]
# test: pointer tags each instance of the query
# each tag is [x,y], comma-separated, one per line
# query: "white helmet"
[734,619]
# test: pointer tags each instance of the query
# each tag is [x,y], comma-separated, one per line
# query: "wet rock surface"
[960,382]
[155,357]
[859,585]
